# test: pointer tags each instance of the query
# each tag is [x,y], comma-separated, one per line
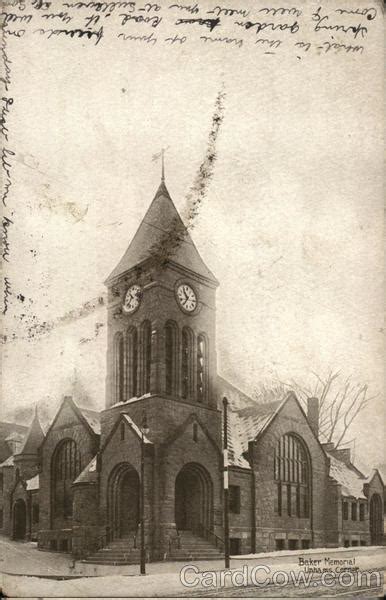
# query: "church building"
[76,487]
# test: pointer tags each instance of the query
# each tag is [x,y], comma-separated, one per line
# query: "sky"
[291,221]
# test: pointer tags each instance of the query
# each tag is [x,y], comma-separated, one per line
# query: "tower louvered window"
[171,356]
[132,362]
[202,368]
[66,466]
[292,476]
[120,367]
[146,357]
[186,362]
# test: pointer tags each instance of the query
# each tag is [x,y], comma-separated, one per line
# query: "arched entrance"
[123,501]
[193,499]
[376,520]
[19,520]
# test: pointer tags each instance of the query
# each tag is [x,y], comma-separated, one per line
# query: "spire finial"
[163,165]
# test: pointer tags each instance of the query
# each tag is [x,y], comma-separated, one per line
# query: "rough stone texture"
[268,523]
[67,425]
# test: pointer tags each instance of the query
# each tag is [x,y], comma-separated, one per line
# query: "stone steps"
[122,552]
[194,547]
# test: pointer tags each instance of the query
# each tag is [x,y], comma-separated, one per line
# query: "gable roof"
[162,236]
[34,437]
[246,425]
[92,417]
[32,483]
[6,429]
[129,421]
[91,421]
[348,476]
[192,418]
[8,462]
[89,473]
[247,418]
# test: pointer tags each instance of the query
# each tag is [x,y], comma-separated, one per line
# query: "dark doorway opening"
[279,544]
[234,546]
[123,501]
[376,520]
[193,499]
[19,520]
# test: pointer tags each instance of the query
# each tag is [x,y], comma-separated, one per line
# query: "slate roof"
[8,462]
[33,483]
[162,233]
[347,476]
[89,473]
[247,419]
[92,417]
[34,437]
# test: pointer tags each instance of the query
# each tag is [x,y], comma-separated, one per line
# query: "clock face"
[132,298]
[186,297]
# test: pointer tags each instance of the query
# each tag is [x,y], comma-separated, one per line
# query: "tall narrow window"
[132,362]
[202,368]
[186,362]
[170,358]
[291,471]
[146,357]
[120,367]
[66,466]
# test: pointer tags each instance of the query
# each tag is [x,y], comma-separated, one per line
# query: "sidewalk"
[26,568]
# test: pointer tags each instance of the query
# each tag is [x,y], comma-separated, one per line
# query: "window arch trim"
[293,476]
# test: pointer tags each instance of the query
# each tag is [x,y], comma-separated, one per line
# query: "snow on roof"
[14,436]
[89,473]
[247,418]
[136,429]
[131,400]
[347,477]
[92,417]
[9,462]
[33,483]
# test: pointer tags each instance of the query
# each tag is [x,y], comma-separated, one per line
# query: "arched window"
[202,368]
[120,367]
[292,476]
[186,362]
[66,466]
[132,362]
[146,356]
[171,356]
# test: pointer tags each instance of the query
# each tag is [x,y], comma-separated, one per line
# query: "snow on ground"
[162,579]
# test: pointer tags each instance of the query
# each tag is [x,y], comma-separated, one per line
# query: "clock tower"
[161,346]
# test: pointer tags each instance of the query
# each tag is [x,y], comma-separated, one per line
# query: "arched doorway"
[376,520]
[123,501]
[193,499]
[19,520]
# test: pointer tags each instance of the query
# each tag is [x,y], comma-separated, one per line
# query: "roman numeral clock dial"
[186,297]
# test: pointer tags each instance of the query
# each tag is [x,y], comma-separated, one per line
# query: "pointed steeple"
[163,165]
[162,236]
[34,436]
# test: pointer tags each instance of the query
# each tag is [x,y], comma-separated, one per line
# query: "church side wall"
[269,525]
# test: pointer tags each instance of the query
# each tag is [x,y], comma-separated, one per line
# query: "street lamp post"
[144,431]
[226,485]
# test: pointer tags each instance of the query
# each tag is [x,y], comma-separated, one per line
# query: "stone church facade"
[77,486]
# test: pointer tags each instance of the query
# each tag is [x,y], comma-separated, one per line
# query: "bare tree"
[340,402]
